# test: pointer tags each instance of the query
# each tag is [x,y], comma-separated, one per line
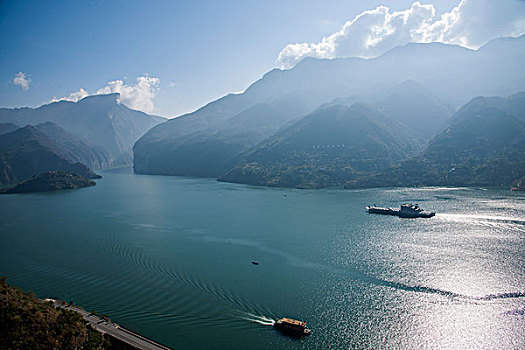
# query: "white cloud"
[22,79]
[471,23]
[74,96]
[137,96]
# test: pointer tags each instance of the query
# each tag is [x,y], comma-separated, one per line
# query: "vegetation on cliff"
[326,149]
[50,181]
[483,145]
[29,323]
[27,152]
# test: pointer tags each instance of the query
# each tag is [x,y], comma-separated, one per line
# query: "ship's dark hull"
[383,211]
[297,333]
[294,330]
[400,213]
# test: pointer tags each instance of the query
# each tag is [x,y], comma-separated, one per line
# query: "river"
[171,258]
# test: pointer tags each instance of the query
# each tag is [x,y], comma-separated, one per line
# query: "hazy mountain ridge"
[27,151]
[75,148]
[410,104]
[484,145]
[211,152]
[7,127]
[326,148]
[408,84]
[101,120]
[417,109]
[454,73]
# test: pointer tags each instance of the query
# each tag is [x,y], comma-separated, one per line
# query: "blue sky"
[198,50]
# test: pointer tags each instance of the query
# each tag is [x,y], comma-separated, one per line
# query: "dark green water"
[171,258]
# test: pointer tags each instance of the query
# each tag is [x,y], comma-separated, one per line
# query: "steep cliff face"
[75,148]
[100,120]
[27,151]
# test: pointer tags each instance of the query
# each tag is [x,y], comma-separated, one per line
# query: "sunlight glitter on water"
[163,254]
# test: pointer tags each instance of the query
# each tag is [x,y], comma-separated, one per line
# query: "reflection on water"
[171,258]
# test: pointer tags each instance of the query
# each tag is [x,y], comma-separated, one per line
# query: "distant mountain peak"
[112,98]
[413,89]
[47,124]
[101,120]
[28,128]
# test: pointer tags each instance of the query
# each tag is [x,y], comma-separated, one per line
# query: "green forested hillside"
[50,181]
[29,323]
[484,145]
[326,148]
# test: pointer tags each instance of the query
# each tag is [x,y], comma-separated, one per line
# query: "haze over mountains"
[100,121]
[483,145]
[389,120]
[95,133]
[211,149]
[326,148]
[27,151]
[268,135]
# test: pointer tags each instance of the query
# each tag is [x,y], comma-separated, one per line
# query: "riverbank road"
[113,330]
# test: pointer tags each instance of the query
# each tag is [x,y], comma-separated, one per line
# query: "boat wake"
[181,280]
[262,320]
[243,308]
[362,276]
[482,218]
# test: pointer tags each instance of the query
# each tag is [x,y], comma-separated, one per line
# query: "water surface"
[170,258]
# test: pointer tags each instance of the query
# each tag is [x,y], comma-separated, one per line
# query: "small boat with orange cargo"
[292,327]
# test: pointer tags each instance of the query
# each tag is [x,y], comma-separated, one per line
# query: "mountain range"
[408,117]
[212,151]
[28,151]
[482,145]
[268,134]
[100,121]
[326,148]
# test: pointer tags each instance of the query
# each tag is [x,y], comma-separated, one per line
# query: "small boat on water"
[255,262]
[406,211]
[292,327]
